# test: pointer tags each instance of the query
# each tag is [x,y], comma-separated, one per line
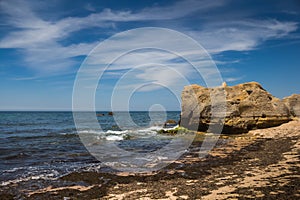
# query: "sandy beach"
[262,164]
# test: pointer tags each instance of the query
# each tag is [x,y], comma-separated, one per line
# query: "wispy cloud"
[242,35]
[153,57]
[40,40]
[35,30]
[233,79]
[24,78]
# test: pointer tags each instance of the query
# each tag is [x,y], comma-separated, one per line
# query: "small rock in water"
[170,123]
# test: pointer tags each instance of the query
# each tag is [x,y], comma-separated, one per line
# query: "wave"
[114,138]
[111,135]
[116,132]
[117,135]
[28,136]
[46,172]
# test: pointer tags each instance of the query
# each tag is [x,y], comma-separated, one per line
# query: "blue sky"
[43,43]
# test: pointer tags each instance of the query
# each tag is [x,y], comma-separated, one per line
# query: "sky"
[45,44]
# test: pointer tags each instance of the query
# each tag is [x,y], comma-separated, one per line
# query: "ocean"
[46,145]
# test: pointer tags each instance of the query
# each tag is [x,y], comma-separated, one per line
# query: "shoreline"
[263,163]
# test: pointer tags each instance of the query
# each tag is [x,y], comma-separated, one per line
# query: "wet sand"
[262,164]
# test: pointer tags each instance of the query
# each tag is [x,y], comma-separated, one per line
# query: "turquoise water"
[47,144]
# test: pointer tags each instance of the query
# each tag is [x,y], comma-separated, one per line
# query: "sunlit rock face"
[246,106]
[293,103]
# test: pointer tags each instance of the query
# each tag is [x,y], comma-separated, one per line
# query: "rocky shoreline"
[262,164]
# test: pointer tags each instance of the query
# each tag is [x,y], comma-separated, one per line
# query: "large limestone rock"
[241,108]
[293,103]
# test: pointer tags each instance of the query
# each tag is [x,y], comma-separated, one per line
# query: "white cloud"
[36,30]
[40,39]
[233,79]
[54,57]
[151,56]
[179,9]
[241,35]
[24,78]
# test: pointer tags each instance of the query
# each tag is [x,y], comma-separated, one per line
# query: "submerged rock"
[293,103]
[243,107]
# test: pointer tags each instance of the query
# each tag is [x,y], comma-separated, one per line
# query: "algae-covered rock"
[174,131]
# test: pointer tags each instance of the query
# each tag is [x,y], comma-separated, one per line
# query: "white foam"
[49,176]
[152,128]
[114,138]
[63,133]
[116,132]
[12,170]
[172,128]
[113,135]
[90,132]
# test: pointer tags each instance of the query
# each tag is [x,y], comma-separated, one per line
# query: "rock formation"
[293,104]
[241,108]
[170,123]
[110,113]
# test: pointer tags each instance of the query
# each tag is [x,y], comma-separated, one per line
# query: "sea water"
[47,145]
